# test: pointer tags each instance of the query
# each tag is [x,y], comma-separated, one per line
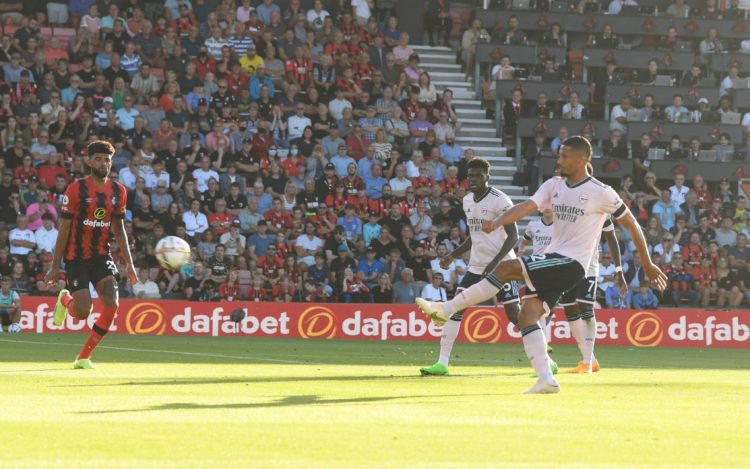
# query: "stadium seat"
[46,32]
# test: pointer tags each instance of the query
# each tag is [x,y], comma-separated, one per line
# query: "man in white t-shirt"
[362,10]
[21,238]
[679,190]
[435,291]
[204,173]
[581,205]
[336,106]
[618,118]
[233,240]
[307,245]
[46,235]
[317,15]
[296,124]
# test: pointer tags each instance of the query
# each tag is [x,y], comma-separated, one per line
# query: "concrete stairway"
[477,132]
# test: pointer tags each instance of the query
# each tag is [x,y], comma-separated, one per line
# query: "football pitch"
[240,402]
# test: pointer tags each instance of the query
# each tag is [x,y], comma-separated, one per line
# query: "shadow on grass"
[287,401]
[277,379]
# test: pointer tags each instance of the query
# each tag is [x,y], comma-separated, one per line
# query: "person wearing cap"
[100,115]
[371,229]
[340,263]
[704,114]
[160,198]
[233,240]
[325,185]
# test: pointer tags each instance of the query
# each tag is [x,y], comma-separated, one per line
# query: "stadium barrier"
[658,328]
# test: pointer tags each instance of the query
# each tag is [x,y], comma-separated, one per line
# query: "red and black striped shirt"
[92,210]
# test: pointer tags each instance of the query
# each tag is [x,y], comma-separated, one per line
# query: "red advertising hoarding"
[657,328]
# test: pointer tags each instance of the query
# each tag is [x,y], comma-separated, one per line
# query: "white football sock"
[576,330]
[447,339]
[543,326]
[589,337]
[475,294]
[536,349]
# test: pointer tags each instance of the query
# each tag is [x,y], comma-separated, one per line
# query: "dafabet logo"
[645,329]
[317,322]
[145,318]
[482,325]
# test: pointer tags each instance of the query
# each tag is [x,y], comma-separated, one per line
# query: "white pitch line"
[173,352]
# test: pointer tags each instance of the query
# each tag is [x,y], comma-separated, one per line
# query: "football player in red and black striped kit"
[92,210]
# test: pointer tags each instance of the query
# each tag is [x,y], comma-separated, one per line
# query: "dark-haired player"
[581,205]
[487,250]
[92,209]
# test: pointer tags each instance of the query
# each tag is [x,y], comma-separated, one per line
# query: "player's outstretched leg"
[107,290]
[535,346]
[479,292]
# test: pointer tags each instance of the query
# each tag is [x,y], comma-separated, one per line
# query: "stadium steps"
[477,132]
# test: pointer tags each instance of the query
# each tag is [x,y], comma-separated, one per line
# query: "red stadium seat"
[46,32]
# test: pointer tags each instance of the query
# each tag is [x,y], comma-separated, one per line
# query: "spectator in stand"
[645,298]
[682,283]
[405,291]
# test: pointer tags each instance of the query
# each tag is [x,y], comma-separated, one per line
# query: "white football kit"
[580,212]
[540,235]
[484,246]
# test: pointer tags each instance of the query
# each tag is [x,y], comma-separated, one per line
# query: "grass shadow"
[287,401]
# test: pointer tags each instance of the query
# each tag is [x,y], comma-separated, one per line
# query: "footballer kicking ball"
[172,252]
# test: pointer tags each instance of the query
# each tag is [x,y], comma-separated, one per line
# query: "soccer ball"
[172,252]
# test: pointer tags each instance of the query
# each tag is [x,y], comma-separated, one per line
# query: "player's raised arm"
[513,214]
[512,232]
[654,274]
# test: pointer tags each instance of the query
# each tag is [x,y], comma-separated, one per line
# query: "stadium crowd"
[303,153]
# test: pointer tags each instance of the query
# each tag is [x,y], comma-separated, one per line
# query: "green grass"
[238,402]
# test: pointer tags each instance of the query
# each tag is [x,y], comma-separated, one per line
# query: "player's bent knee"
[509,270]
[531,310]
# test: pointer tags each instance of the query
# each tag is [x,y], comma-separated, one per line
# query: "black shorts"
[548,276]
[80,272]
[583,292]
[5,315]
[507,295]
